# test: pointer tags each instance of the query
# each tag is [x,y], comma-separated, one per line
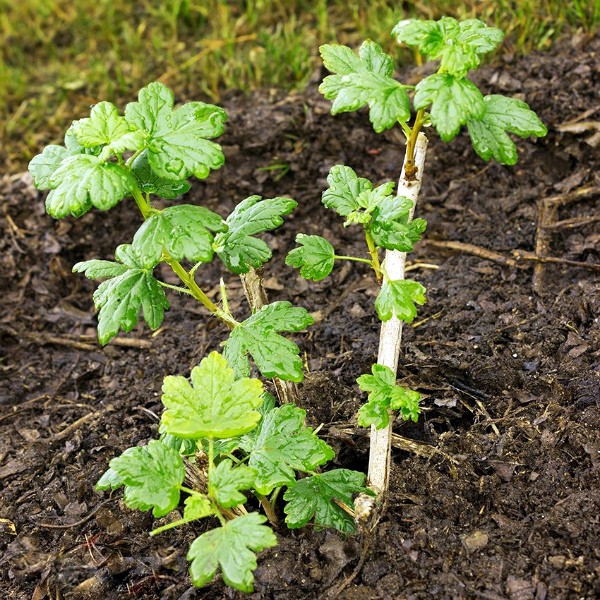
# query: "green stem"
[268,508]
[197,293]
[354,258]
[143,203]
[187,278]
[175,288]
[211,468]
[409,166]
[374,252]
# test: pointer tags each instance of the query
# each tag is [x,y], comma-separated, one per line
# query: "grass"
[57,57]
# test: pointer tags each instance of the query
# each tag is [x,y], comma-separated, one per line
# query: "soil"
[499,496]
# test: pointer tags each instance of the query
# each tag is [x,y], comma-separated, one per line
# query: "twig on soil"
[77,523]
[547,216]
[67,431]
[519,255]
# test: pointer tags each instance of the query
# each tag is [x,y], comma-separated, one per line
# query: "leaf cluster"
[446,99]
[252,447]
[166,145]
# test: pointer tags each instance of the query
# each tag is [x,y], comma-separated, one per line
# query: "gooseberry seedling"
[446,100]
[222,435]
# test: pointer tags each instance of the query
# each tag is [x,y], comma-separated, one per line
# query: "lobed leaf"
[313,498]
[458,45]
[151,475]
[131,288]
[385,395]
[215,405]
[282,446]
[274,355]
[345,187]
[184,231]
[315,257]
[391,226]
[454,100]
[103,126]
[366,80]
[502,114]
[236,247]
[177,140]
[84,181]
[226,481]
[150,183]
[232,548]
[398,298]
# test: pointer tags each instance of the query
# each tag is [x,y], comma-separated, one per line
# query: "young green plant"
[446,100]
[224,443]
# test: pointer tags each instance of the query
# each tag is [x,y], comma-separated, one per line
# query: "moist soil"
[494,492]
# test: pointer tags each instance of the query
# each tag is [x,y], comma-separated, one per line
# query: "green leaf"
[283,446]
[184,231]
[151,474]
[398,298]
[110,480]
[502,114]
[366,80]
[150,183]
[43,166]
[215,405]
[226,481]
[345,187]
[84,181]
[233,548]
[103,126]
[119,299]
[453,102]
[180,445]
[236,247]
[313,497]
[384,395]
[177,139]
[391,228]
[274,355]
[315,258]
[459,45]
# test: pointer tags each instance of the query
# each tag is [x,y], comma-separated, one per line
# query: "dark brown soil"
[501,498]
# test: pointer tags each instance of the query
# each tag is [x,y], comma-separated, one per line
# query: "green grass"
[57,57]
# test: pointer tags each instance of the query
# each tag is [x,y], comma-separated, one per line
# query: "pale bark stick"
[391,331]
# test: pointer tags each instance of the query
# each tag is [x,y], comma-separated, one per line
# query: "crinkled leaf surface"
[453,100]
[459,45]
[315,257]
[345,187]
[103,126]
[384,395]
[43,166]
[185,231]
[84,181]
[177,140]
[151,475]
[364,80]
[274,355]
[132,288]
[226,481]
[312,497]
[390,226]
[398,297]
[150,183]
[283,446]
[502,114]
[215,405]
[236,247]
[233,548]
